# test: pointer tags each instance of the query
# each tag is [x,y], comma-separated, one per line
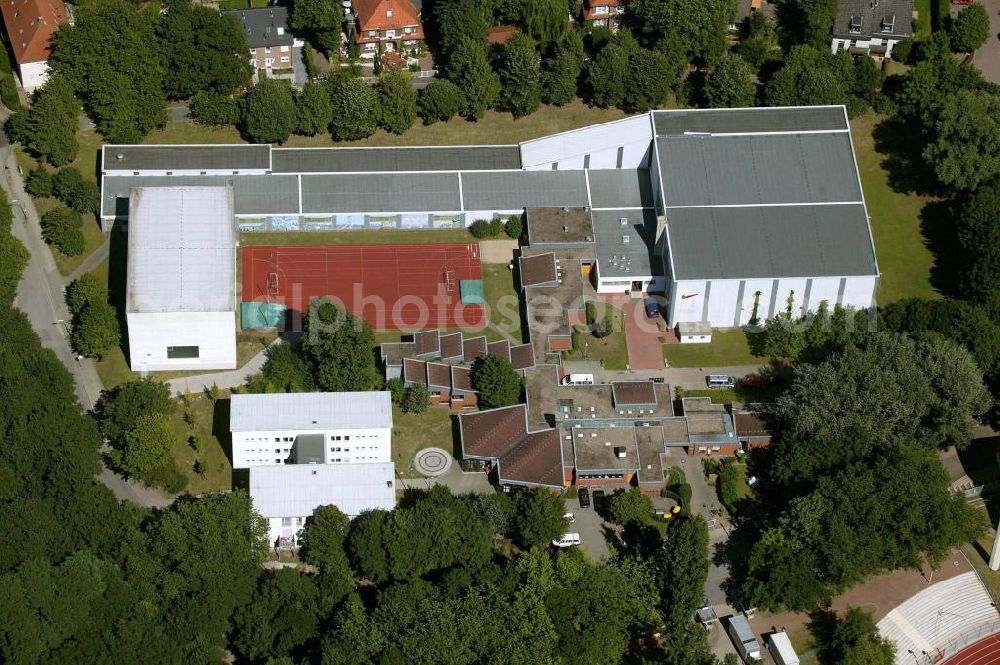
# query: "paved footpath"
[230,379]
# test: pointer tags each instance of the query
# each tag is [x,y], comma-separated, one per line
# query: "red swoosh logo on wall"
[688,295]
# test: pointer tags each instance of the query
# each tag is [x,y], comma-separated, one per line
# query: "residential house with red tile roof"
[386,26]
[30,25]
[607,13]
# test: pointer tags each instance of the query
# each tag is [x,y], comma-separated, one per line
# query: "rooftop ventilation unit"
[625,239]
[623,221]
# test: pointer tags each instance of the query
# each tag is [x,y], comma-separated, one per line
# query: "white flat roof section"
[181,250]
[298,490]
[310,411]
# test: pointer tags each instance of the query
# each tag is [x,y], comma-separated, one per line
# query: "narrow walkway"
[95,259]
[228,379]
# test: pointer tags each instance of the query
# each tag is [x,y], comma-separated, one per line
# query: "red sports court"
[403,286]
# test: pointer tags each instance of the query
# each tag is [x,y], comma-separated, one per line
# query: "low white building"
[286,495]
[180,292]
[347,428]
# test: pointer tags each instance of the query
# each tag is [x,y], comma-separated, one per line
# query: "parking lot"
[591,528]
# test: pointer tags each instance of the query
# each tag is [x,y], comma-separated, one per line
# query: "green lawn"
[904,255]
[502,301]
[354,237]
[612,349]
[728,348]
[210,419]
[414,432]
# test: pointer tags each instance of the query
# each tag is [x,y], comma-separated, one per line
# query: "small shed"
[781,649]
[707,616]
[694,332]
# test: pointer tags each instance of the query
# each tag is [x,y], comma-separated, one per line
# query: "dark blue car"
[652,308]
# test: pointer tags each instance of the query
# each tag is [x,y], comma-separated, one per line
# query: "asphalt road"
[987,58]
[40,295]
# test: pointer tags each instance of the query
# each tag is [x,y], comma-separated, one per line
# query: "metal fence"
[970,636]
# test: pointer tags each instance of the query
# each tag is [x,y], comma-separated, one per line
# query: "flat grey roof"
[770,242]
[355,160]
[754,170]
[635,258]
[750,120]
[185,157]
[380,192]
[620,188]
[513,190]
[252,194]
[181,250]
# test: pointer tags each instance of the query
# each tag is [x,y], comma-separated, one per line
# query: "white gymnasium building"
[181,298]
[308,450]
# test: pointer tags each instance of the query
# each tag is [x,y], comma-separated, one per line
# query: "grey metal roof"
[252,194]
[356,160]
[882,18]
[770,242]
[512,190]
[397,192]
[620,188]
[264,27]
[185,157]
[309,411]
[618,258]
[298,490]
[753,170]
[181,250]
[750,120]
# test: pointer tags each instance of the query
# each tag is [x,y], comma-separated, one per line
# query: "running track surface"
[983,652]
[391,286]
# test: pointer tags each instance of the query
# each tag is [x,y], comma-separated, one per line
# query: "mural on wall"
[350,221]
[285,224]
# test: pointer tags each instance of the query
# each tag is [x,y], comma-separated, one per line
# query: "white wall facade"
[865,43]
[341,446]
[728,303]
[150,335]
[619,284]
[624,144]
[33,74]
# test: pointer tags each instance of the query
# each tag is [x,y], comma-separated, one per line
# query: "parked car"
[584,497]
[720,381]
[652,308]
[569,517]
[568,540]
[598,500]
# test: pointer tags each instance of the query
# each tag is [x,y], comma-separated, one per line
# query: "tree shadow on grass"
[937,225]
[900,145]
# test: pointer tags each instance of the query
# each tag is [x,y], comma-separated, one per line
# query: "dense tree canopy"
[470,70]
[397,101]
[440,101]
[701,23]
[203,50]
[978,217]
[338,347]
[561,72]
[315,112]
[970,29]
[355,108]
[496,381]
[731,83]
[113,59]
[320,19]
[451,22]
[966,150]
[269,113]
[49,125]
[520,76]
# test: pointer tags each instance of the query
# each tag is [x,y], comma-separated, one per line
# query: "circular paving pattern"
[432,461]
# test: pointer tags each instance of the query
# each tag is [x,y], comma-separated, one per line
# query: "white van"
[720,381]
[578,380]
[568,540]
[743,638]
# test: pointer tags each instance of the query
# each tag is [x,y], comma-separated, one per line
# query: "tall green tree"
[113,59]
[703,23]
[682,567]
[315,112]
[119,408]
[51,121]
[355,108]
[397,101]
[95,330]
[607,76]
[545,20]
[324,537]
[978,217]
[561,72]
[203,50]
[496,381]
[440,101]
[540,517]
[339,347]
[470,70]
[320,19]
[855,640]
[282,616]
[520,76]
[269,113]
[215,109]
[966,150]
[970,29]
[730,84]
[452,22]
[648,84]
[146,446]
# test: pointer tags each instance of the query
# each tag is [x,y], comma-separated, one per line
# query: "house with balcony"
[386,26]
[607,13]
[871,27]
